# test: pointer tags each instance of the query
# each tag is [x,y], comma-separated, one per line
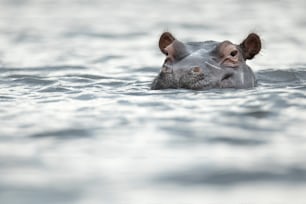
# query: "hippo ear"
[251,46]
[165,39]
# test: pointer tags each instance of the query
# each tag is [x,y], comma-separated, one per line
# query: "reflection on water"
[79,123]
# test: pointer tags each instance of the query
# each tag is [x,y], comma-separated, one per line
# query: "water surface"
[79,123]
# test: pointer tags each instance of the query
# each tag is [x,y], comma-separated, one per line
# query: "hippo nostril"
[227,76]
[196,69]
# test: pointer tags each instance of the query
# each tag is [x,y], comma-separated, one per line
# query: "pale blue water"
[79,123]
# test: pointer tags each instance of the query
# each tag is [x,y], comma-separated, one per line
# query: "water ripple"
[30,80]
[230,177]
[64,133]
[41,69]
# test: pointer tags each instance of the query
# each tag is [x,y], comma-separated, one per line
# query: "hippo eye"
[234,53]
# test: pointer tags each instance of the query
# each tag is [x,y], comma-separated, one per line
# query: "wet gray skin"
[205,65]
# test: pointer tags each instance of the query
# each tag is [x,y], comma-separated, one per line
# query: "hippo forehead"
[198,53]
[201,53]
[203,47]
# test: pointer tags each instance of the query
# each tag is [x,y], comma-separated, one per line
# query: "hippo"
[206,65]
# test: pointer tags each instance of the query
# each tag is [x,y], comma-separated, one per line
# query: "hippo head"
[208,64]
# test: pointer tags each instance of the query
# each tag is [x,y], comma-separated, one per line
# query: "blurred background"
[79,123]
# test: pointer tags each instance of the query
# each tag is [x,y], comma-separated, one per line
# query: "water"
[79,123]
